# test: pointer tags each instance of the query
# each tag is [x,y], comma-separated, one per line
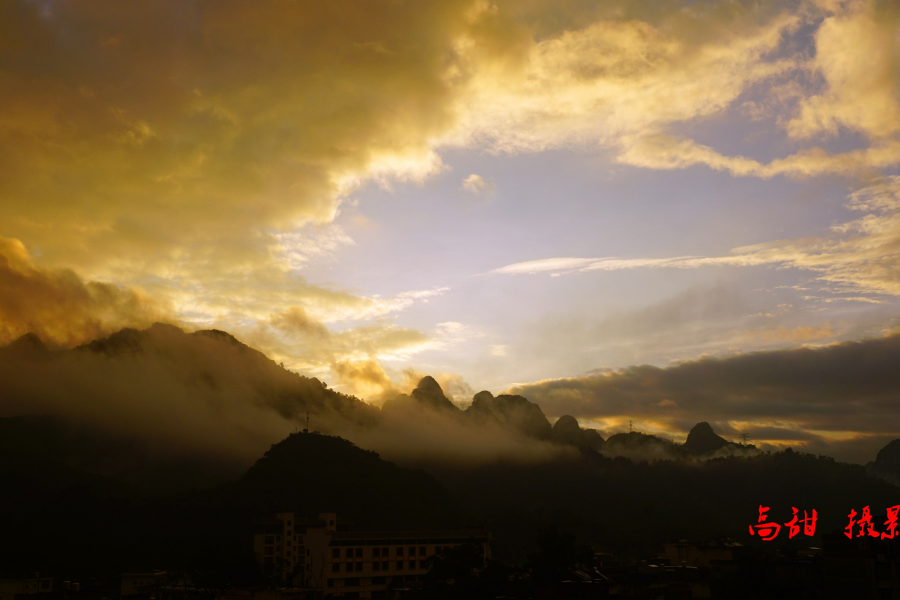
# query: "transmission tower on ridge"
[744,437]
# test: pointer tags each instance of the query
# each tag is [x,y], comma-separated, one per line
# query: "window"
[412,551]
[412,564]
[384,552]
[270,550]
[45,585]
[376,552]
[376,566]
[423,564]
[349,553]
[289,542]
[335,553]
[399,565]
[331,583]
[399,551]
[288,532]
[270,539]
[379,595]
[359,553]
[378,581]
[352,581]
[335,568]
[288,553]
[289,523]
[384,565]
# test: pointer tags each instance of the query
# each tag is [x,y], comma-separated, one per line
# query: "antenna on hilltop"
[307,423]
[630,429]
[744,437]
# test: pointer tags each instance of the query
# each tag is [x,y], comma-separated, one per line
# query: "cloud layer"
[839,399]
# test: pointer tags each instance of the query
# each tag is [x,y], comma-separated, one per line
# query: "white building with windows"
[320,559]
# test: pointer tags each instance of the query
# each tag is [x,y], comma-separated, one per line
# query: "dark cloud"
[811,395]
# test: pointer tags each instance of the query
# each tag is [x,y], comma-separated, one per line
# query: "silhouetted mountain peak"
[218,335]
[515,412]
[566,430]
[124,340]
[889,455]
[482,400]
[429,393]
[30,342]
[702,439]
[566,423]
[887,462]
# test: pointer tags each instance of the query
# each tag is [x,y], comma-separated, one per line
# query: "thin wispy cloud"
[859,254]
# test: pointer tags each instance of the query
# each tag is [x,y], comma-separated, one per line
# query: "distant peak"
[429,392]
[429,385]
[484,397]
[889,455]
[217,334]
[28,342]
[566,423]
[703,439]
[704,427]
[567,430]
[164,327]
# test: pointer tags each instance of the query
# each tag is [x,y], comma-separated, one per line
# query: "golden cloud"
[60,307]
[199,151]
[171,138]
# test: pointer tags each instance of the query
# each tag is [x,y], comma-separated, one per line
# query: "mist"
[206,396]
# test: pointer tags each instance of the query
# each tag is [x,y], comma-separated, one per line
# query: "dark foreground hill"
[59,520]
[624,506]
[308,473]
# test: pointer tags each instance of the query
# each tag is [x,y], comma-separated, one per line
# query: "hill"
[309,473]
[99,529]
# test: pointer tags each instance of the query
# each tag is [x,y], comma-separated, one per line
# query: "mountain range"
[93,480]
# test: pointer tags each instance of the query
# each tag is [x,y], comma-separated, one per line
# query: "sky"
[524,195]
